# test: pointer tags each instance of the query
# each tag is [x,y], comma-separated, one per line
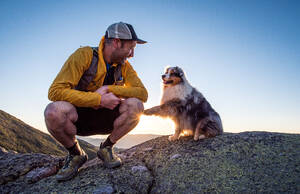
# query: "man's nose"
[131,53]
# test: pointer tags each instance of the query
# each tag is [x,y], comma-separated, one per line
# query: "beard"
[118,57]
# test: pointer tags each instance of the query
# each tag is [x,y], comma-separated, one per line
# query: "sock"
[75,149]
[107,143]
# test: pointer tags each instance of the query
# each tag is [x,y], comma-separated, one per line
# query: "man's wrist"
[99,99]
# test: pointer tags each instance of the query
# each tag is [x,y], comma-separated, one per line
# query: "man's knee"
[57,113]
[51,112]
[133,106]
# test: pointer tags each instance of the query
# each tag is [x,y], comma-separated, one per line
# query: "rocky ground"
[249,162]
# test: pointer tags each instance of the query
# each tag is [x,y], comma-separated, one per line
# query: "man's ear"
[117,43]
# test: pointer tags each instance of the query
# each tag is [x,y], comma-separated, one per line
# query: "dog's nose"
[163,76]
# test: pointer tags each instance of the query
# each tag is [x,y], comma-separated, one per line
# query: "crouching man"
[97,91]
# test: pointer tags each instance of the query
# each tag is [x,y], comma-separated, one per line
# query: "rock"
[14,165]
[175,156]
[249,162]
[139,169]
[105,189]
[39,173]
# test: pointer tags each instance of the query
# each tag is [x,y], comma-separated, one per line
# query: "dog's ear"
[167,67]
[179,70]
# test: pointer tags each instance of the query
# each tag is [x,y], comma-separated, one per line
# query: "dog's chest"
[175,92]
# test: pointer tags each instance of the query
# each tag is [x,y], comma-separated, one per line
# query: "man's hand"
[109,100]
[102,90]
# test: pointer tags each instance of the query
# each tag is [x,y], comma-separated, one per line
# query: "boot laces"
[68,160]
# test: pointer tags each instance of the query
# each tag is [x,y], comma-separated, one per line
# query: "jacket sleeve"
[133,86]
[62,88]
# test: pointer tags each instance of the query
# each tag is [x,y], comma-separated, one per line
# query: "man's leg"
[130,111]
[59,118]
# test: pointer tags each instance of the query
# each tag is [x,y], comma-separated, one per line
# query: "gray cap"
[122,31]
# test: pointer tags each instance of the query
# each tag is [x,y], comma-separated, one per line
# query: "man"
[96,92]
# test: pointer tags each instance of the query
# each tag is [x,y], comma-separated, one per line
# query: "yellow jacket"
[63,87]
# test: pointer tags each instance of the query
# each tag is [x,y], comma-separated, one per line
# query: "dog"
[186,106]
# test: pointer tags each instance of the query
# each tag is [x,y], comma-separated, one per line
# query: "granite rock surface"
[248,162]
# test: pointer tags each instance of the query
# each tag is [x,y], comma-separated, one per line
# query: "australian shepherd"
[186,106]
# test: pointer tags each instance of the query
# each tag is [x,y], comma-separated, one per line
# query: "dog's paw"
[196,138]
[173,137]
[202,137]
[147,112]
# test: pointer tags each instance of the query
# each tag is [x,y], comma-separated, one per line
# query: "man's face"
[123,51]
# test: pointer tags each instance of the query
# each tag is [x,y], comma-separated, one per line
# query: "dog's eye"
[175,74]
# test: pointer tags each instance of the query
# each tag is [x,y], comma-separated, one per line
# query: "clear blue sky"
[244,56]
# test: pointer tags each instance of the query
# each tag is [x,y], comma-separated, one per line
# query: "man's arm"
[62,88]
[133,87]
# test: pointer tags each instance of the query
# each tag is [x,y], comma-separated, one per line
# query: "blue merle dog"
[187,107]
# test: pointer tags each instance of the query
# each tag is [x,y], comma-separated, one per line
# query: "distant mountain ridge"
[18,136]
[126,142]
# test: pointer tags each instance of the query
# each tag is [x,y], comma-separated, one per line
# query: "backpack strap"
[90,73]
[118,75]
[114,76]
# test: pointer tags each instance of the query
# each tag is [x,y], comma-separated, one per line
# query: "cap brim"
[139,41]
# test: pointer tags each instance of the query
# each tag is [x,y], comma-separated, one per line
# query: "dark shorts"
[94,122]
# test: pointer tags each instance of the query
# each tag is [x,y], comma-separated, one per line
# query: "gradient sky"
[244,56]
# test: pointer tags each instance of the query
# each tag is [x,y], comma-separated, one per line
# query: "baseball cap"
[122,31]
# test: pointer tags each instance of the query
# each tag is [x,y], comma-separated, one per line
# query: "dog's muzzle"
[166,81]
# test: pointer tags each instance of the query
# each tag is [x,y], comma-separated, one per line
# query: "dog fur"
[186,106]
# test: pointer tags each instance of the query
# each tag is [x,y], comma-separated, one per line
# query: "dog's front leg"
[164,110]
[153,111]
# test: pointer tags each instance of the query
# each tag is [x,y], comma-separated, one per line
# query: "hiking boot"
[109,158]
[71,166]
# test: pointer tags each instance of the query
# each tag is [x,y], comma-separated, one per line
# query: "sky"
[243,56]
